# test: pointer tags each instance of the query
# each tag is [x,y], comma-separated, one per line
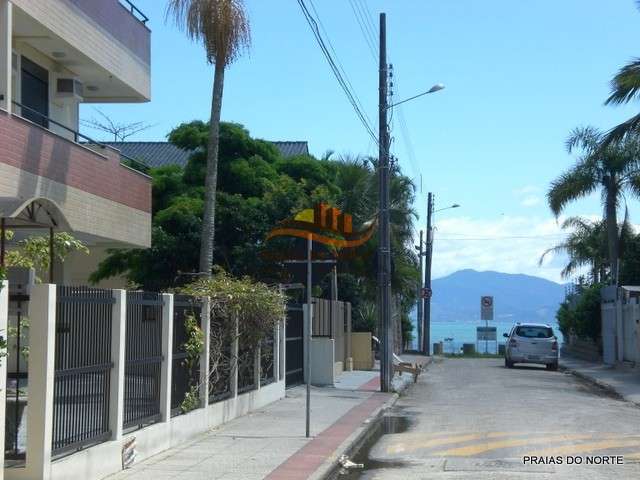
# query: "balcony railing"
[78,137]
[136,12]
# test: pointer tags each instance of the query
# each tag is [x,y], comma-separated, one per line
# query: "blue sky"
[519,76]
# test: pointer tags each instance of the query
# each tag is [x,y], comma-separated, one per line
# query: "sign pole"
[308,339]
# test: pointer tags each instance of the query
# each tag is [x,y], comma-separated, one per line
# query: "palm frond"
[626,84]
[618,133]
[586,139]
[221,26]
[576,183]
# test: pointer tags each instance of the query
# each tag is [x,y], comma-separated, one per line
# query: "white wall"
[4,314]
[322,361]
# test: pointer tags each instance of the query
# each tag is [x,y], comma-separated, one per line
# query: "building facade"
[55,55]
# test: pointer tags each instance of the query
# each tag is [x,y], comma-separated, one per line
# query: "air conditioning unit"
[69,88]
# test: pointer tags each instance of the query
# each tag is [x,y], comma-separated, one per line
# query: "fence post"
[205,325]
[256,366]
[42,335]
[349,358]
[233,377]
[282,360]
[118,343]
[276,352]
[167,353]
[4,319]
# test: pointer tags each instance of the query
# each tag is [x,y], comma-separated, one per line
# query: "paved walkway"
[270,443]
[624,381]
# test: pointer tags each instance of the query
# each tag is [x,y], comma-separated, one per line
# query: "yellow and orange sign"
[327,225]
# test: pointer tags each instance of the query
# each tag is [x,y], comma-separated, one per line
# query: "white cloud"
[531,201]
[511,244]
[529,195]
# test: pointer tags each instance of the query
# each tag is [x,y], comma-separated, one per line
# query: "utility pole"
[426,329]
[384,247]
[419,318]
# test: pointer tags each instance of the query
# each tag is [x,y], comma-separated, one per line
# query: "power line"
[368,38]
[336,71]
[491,239]
[368,18]
[337,59]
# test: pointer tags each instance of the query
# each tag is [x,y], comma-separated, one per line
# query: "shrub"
[580,313]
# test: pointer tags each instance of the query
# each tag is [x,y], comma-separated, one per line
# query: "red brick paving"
[372,385]
[308,459]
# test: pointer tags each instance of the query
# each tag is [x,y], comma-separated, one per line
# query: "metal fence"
[294,363]
[82,367]
[183,378]
[247,354]
[219,362]
[143,359]
[267,370]
[322,318]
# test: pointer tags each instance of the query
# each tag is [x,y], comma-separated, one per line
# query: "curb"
[598,383]
[353,442]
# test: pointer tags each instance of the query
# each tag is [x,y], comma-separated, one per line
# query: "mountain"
[517,298]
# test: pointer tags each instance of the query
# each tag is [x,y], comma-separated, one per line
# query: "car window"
[534,332]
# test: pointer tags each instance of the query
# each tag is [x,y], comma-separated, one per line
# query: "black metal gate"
[183,379]
[143,359]
[294,346]
[82,367]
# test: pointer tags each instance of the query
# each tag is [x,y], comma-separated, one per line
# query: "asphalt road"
[475,419]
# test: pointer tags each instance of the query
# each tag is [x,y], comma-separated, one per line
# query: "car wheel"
[552,366]
[508,364]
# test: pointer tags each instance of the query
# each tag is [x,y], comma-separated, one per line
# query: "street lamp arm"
[433,89]
[455,205]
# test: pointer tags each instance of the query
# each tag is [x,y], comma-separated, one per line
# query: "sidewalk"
[623,381]
[270,443]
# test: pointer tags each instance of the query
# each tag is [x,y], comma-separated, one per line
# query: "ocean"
[464,331]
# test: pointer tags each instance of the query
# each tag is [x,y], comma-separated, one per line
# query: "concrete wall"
[361,351]
[322,361]
[97,195]
[620,311]
[630,332]
[105,459]
[4,315]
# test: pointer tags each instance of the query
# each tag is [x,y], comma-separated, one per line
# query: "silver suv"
[531,343]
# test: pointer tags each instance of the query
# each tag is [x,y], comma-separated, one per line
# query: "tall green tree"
[223,29]
[586,246]
[612,169]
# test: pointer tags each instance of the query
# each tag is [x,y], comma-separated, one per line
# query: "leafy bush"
[580,313]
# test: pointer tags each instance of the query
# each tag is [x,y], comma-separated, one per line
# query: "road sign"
[486,307]
[426,292]
[487,334]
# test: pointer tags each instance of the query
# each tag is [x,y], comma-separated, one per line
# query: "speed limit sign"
[486,307]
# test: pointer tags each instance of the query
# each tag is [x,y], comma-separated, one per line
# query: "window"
[534,332]
[35,92]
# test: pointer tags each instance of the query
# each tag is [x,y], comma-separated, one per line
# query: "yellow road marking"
[589,447]
[413,444]
[488,446]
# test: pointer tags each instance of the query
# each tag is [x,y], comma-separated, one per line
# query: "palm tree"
[613,168]
[223,29]
[625,86]
[586,246]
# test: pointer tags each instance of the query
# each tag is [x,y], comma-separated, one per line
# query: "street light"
[455,205]
[436,88]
